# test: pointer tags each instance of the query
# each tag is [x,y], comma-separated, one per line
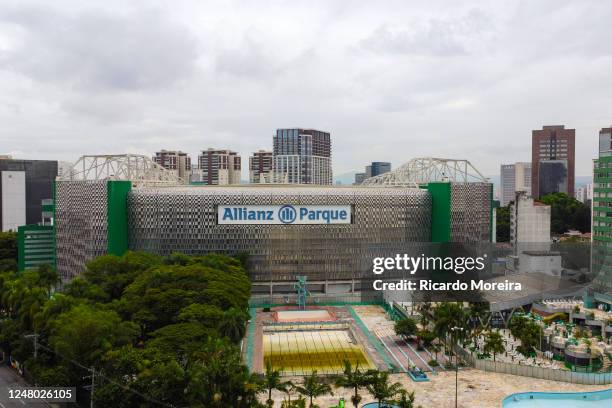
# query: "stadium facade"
[322,232]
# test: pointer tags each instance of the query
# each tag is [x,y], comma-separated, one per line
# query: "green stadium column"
[117,227]
[440,211]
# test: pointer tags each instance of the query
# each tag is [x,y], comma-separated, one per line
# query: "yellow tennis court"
[299,352]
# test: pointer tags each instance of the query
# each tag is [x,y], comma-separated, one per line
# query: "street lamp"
[455,329]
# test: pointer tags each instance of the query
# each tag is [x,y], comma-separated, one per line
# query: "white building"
[529,221]
[514,177]
[13,199]
[175,161]
[583,194]
[218,167]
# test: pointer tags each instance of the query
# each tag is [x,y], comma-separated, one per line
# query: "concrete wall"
[13,199]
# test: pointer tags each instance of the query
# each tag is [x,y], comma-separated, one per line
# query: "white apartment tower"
[513,178]
[303,156]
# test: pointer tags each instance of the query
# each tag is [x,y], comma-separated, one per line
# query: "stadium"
[111,204]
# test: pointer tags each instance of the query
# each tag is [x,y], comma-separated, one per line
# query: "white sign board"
[283,214]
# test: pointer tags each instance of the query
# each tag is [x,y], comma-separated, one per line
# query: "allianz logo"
[286,214]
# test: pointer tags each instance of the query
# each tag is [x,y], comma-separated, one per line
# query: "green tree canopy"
[567,213]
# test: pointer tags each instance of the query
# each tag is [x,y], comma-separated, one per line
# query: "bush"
[433,363]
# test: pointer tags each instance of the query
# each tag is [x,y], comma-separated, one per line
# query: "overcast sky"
[390,80]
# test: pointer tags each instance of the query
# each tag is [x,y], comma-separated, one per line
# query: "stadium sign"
[283,214]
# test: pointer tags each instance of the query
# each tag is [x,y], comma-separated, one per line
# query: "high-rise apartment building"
[24,184]
[601,233]
[218,167]
[552,161]
[175,161]
[514,177]
[584,193]
[303,156]
[261,167]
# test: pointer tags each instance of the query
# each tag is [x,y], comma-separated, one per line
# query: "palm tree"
[289,388]
[355,379]
[380,388]
[406,399]
[494,343]
[446,316]
[253,385]
[233,324]
[272,381]
[312,387]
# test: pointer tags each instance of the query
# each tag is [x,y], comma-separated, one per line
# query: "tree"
[405,328]
[503,224]
[85,333]
[215,375]
[447,316]
[273,381]
[527,331]
[494,343]
[380,388]
[354,379]
[233,324]
[567,213]
[312,387]
[406,399]
[8,251]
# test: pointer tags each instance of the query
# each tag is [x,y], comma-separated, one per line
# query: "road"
[10,379]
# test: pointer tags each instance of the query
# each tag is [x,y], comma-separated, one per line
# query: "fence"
[535,372]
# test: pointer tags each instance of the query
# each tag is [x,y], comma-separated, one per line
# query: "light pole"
[455,329]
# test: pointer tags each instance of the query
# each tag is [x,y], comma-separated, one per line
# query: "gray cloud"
[442,78]
[446,37]
[95,49]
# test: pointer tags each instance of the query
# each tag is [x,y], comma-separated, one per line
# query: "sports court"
[299,352]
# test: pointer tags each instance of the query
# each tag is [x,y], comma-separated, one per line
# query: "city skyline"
[382,81]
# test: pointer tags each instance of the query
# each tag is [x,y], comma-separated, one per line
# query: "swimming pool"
[596,399]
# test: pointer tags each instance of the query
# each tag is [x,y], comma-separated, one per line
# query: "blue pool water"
[375,405]
[597,399]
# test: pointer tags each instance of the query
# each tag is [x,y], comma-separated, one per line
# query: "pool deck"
[477,389]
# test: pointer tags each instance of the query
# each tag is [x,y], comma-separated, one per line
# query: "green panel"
[35,246]
[20,248]
[440,211]
[117,228]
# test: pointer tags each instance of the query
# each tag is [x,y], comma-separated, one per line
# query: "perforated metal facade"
[80,224]
[183,219]
[471,212]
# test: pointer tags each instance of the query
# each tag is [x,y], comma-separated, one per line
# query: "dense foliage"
[567,213]
[155,330]
[528,331]
[8,251]
[502,226]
